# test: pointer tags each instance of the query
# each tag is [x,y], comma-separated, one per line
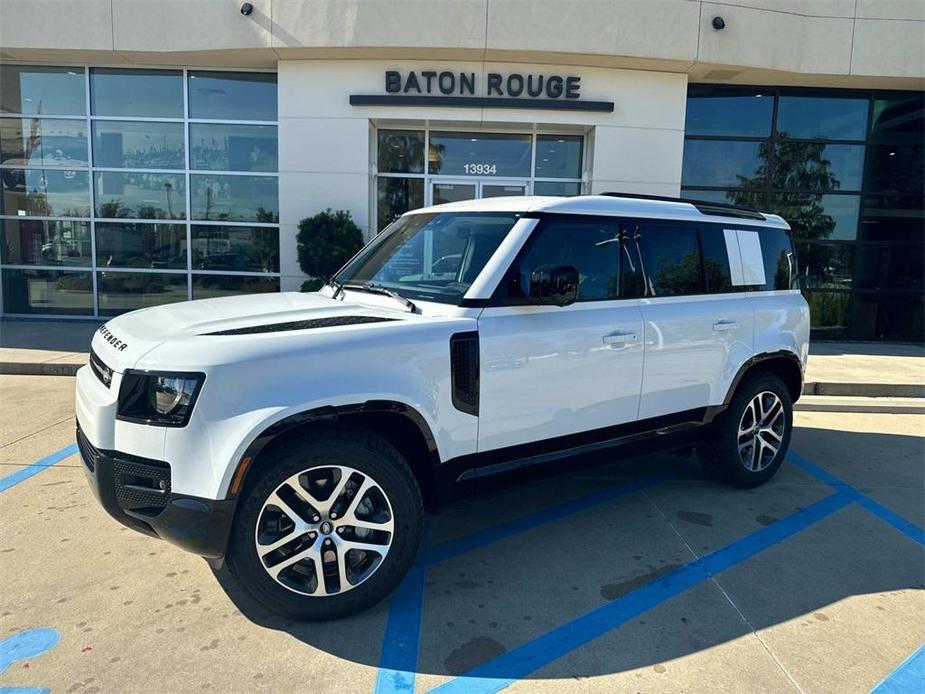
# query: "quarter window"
[716,269]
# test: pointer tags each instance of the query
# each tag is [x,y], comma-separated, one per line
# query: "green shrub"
[326,241]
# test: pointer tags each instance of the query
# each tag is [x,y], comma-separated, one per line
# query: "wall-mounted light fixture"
[246,9]
[718,23]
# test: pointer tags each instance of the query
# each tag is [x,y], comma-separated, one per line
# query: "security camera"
[718,22]
[247,8]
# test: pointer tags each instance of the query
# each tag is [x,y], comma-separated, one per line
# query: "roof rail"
[722,209]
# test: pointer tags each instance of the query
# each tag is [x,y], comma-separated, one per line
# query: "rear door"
[698,325]
[551,371]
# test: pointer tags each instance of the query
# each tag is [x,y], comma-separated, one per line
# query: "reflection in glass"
[139,195]
[825,265]
[672,261]
[560,188]
[893,168]
[817,217]
[479,154]
[898,120]
[241,249]
[559,156]
[45,192]
[722,163]
[211,286]
[232,95]
[820,118]
[47,292]
[501,190]
[51,91]
[893,218]
[44,242]
[138,145]
[401,151]
[882,316]
[119,292]
[235,198]
[43,141]
[233,147]
[395,196]
[136,93]
[141,245]
[817,167]
[890,267]
[452,192]
[724,111]
[828,311]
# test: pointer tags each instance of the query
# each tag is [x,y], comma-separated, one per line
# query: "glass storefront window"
[137,145]
[829,311]
[896,267]
[51,91]
[234,198]
[739,112]
[141,245]
[211,286]
[893,168]
[395,196]
[232,95]
[234,248]
[136,93]
[233,147]
[559,156]
[560,188]
[818,217]
[50,292]
[825,265]
[139,195]
[45,192]
[893,218]
[898,120]
[119,292]
[400,151]
[44,242]
[43,142]
[479,154]
[817,167]
[724,163]
[820,118]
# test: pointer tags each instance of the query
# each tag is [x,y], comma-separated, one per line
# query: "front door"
[551,371]
[454,190]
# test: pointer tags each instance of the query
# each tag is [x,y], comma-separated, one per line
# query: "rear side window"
[716,271]
[670,260]
[591,246]
[780,268]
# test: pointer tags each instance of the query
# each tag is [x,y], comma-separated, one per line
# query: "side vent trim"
[464,371]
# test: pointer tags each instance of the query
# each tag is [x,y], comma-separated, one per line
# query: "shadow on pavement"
[480,605]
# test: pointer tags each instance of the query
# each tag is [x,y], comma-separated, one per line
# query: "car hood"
[124,340]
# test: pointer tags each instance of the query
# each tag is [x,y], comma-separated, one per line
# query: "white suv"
[298,436]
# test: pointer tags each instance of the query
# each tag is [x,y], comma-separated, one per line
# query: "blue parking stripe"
[516,664]
[35,468]
[907,678]
[907,528]
[453,548]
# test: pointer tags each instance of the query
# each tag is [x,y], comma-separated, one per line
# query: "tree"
[326,241]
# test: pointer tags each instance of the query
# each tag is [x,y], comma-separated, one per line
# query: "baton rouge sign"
[512,90]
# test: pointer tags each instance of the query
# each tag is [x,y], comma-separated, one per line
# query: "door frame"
[477,181]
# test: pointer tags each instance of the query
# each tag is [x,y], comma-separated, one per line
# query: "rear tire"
[353,512]
[751,438]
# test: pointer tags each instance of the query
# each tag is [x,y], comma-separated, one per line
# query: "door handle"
[618,338]
[725,325]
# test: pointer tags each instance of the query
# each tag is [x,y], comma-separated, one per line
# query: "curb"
[13,368]
[822,403]
[865,390]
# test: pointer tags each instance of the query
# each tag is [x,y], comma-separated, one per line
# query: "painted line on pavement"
[907,678]
[907,528]
[529,657]
[35,468]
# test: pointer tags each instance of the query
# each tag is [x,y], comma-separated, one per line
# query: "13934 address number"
[481,169]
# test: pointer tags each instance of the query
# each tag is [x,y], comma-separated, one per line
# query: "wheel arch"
[784,364]
[398,423]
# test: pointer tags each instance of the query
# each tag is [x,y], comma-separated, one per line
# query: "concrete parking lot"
[633,575]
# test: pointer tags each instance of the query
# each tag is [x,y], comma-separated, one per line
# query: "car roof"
[612,205]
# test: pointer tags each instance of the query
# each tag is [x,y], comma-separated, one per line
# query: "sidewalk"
[841,376]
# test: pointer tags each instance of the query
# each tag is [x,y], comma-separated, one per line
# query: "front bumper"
[136,492]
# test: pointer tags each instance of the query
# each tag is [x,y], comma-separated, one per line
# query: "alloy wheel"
[324,531]
[761,431]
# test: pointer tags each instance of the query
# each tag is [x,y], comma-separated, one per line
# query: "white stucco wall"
[327,154]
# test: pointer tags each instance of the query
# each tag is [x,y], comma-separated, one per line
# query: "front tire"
[330,526]
[751,438]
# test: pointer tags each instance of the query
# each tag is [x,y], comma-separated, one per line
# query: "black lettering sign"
[447,83]
[392,81]
[428,75]
[554,87]
[494,84]
[467,83]
[572,87]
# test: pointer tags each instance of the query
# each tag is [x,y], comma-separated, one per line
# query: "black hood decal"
[330,322]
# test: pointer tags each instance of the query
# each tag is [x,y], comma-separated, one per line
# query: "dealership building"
[153,152]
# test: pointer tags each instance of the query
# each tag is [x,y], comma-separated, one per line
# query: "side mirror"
[556,285]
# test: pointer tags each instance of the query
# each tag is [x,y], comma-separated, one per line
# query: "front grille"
[102,372]
[141,487]
[88,452]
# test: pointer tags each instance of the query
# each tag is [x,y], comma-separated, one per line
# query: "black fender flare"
[750,363]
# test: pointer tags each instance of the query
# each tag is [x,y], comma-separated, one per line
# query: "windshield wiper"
[338,287]
[379,289]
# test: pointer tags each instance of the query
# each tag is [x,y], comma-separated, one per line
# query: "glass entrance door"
[455,190]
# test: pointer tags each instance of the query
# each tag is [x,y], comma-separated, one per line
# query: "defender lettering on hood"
[112,339]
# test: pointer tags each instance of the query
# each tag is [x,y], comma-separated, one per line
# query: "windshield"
[432,257]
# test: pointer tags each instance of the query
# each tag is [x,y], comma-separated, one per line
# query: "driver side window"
[591,246]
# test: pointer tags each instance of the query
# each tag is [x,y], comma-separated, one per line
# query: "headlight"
[162,399]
